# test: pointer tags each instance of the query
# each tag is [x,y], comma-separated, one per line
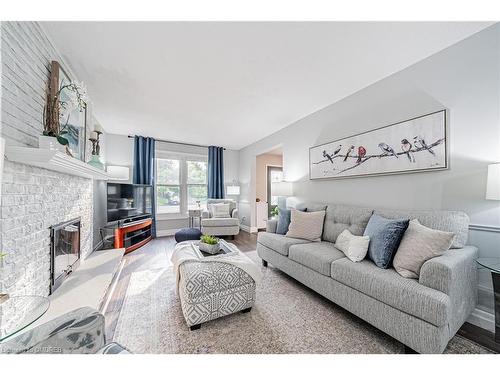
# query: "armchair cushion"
[220,222]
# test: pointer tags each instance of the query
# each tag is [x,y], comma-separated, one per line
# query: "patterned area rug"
[286,318]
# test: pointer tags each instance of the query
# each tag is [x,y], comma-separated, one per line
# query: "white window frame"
[183,175]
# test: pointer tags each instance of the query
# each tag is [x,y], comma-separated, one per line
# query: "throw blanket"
[185,252]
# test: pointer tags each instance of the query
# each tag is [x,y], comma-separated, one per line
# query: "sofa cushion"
[387,286]
[448,221]
[354,247]
[341,217]
[220,222]
[419,244]
[306,225]
[385,237]
[278,242]
[317,256]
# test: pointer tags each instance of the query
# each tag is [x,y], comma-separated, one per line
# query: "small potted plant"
[209,244]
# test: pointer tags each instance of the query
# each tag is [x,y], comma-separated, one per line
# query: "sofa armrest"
[454,268]
[205,214]
[234,214]
[271,225]
[455,274]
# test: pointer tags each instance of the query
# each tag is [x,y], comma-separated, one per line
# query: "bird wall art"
[414,145]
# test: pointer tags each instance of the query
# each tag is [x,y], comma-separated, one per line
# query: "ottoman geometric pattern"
[210,290]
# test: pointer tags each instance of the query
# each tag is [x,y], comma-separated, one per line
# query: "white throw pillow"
[419,244]
[306,225]
[220,210]
[354,247]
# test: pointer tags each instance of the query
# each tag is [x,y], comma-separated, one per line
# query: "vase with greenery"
[209,244]
[57,112]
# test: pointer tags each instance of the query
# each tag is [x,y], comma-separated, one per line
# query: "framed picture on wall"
[72,118]
[414,145]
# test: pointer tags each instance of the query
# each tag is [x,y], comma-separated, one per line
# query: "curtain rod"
[177,143]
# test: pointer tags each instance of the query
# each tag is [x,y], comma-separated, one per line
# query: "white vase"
[50,143]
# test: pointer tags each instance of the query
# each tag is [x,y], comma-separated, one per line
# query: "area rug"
[286,318]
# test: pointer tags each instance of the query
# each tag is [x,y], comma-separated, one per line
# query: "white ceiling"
[231,84]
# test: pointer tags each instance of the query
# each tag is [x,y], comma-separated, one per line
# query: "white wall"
[120,151]
[465,80]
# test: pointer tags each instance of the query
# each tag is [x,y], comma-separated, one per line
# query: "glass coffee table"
[493,264]
[18,312]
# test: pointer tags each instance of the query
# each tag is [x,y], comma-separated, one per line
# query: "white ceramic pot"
[210,249]
[50,143]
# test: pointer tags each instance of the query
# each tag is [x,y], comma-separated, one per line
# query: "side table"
[493,264]
[28,309]
[192,214]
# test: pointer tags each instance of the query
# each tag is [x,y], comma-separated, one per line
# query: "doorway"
[274,174]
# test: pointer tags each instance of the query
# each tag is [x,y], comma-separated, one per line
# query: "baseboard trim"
[248,229]
[483,319]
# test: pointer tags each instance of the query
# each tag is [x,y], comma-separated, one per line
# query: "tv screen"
[127,201]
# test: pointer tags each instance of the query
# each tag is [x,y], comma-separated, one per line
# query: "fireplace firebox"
[64,251]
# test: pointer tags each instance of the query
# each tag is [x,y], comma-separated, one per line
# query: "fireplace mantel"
[53,160]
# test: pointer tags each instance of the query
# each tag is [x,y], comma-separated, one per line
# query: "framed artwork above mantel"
[66,111]
[415,145]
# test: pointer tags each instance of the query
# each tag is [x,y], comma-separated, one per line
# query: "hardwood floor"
[155,254]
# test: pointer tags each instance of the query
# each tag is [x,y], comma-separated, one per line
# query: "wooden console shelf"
[133,236]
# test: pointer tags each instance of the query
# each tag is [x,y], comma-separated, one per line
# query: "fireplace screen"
[65,251]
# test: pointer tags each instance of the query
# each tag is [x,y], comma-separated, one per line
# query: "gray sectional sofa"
[423,314]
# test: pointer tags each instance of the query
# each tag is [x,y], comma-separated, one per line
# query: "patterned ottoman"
[210,290]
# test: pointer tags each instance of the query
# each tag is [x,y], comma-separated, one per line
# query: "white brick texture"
[32,199]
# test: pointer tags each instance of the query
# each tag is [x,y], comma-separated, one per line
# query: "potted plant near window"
[209,244]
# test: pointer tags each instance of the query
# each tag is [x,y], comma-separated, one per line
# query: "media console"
[132,235]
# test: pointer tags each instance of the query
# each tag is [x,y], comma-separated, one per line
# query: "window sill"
[163,217]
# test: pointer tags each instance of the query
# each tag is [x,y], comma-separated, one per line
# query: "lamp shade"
[493,183]
[282,189]
[117,172]
[233,190]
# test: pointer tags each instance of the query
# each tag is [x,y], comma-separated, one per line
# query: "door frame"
[269,169]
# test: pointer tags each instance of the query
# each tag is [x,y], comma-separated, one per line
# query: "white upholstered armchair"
[220,226]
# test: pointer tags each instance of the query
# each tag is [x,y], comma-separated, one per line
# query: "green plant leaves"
[210,240]
[62,140]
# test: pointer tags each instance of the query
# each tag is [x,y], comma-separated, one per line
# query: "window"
[181,182]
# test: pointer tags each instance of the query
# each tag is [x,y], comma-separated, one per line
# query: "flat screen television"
[128,201]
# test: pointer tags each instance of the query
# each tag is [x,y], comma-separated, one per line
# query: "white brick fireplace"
[33,199]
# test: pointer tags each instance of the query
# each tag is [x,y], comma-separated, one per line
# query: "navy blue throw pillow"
[284,217]
[283,220]
[385,237]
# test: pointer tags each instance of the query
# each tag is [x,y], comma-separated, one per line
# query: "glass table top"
[18,312]
[492,264]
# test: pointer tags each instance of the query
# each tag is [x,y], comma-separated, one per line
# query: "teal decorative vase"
[95,161]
